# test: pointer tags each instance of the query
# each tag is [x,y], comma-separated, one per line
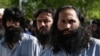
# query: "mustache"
[43,29]
[69,30]
[11,28]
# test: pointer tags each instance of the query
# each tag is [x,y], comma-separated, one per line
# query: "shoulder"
[95,41]
[28,37]
[1,40]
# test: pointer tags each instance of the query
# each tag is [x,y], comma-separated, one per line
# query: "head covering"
[1,10]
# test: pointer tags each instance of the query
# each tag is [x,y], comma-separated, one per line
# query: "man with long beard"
[95,28]
[70,36]
[15,42]
[44,21]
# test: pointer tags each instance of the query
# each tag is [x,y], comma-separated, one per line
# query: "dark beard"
[43,36]
[13,35]
[71,43]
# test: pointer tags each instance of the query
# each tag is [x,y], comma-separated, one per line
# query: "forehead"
[45,14]
[68,12]
[94,25]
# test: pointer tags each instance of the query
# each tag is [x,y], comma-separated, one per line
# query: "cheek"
[75,26]
[38,27]
[49,26]
[7,24]
[60,26]
[17,25]
[94,28]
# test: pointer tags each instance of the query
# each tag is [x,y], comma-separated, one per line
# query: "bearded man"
[70,35]
[15,42]
[44,21]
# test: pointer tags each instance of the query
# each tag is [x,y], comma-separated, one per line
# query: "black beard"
[13,35]
[72,42]
[43,36]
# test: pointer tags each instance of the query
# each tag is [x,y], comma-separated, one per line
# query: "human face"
[93,27]
[45,20]
[68,21]
[13,31]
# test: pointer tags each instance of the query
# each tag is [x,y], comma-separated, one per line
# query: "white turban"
[2,10]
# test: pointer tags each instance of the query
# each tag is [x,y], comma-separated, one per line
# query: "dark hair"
[43,38]
[34,23]
[84,34]
[97,22]
[50,10]
[78,12]
[96,33]
[38,12]
[14,13]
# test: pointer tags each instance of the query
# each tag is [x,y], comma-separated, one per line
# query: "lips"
[66,32]
[43,30]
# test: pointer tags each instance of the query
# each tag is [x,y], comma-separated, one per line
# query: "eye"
[39,21]
[71,21]
[16,21]
[46,21]
[63,21]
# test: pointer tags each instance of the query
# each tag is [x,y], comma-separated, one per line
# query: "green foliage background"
[91,8]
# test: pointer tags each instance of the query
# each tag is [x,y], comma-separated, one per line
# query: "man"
[70,36]
[44,21]
[95,28]
[1,27]
[15,42]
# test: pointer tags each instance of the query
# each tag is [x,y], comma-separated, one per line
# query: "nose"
[42,24]
[13,24]
[68,26]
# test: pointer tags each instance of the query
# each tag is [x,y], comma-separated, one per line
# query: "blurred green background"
[91,8]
